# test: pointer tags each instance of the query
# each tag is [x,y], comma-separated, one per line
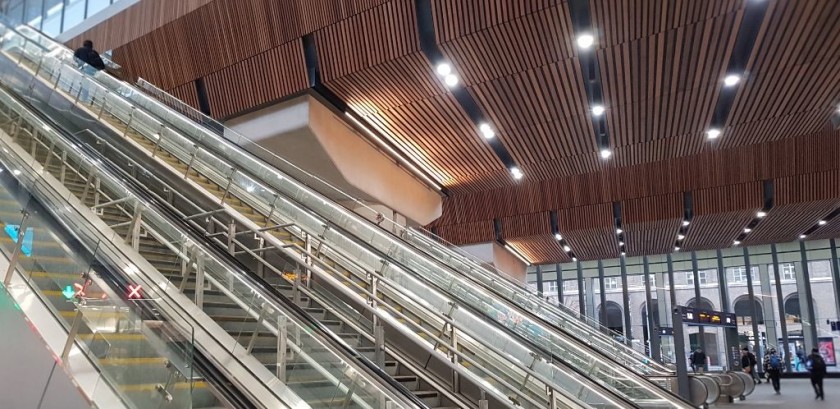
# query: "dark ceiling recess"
[428,43]
[744,42]
[582,23]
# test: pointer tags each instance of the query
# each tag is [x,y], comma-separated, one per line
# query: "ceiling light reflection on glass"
[732,80]
[486,131]
[585,41]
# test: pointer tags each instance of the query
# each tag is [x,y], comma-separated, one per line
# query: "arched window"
[793,314]
[612,318]
[744,313]
[704,304]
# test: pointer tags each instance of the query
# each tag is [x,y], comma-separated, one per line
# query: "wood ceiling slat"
[540,249]
[721,213]
[792,79]
[525,225]
[589,230]
[468,233]
[651,223]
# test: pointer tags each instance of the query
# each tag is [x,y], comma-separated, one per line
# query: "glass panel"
[95,6]
[33,16]
[74,13]
[52,19]
[822,288]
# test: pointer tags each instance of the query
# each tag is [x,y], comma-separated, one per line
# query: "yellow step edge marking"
[95,314]
[114,337]
[151,387]
[46,274]
[132,361]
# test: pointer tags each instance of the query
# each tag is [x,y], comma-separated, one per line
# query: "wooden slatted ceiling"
[800,201]
[829,231]
[540,249]
[721,213]
[589,230]
[533,224]
[664,84]
[651,223]
[468,233]
[187,93]
[524,57]
[792,79]
[263,78]
[135,21]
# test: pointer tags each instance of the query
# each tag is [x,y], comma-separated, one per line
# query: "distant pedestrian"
[749,363]
[816,364]
[773,367]
[800,358]
[698,361]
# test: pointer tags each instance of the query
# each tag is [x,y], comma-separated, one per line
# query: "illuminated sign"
[695,316]
[134,291]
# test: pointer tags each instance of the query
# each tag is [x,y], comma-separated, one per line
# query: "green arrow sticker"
[68,292]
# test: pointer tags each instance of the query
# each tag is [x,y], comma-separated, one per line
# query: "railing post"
[296,287]
[187,265]
[63,167]
[132,236]
[227,187]
[453,356]
[379,344]
[483,403]
[18,248]
[552,400]
[199,281]
[192,159]
[71,336]
[282,336]
[231,237]
[102,108]
[90,181]
[130,120]
[271,211]
[264,309]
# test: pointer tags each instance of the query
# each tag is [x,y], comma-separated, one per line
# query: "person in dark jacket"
[749,363]
[773,368]
[87,55]
[698,361]
[816,364]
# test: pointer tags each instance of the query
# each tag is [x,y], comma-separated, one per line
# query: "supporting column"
[652,330]
[751,297]
[539,281]
[781,305]
[602,312]
[581,290]
[806,300]
[722,288]
[767,306]
[590,298]
[625,294]
[835,275]
[701,331]
[559,274]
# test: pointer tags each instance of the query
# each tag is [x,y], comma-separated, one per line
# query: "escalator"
[166,258]
[562,366]
[305,355]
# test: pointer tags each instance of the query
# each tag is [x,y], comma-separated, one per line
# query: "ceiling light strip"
[448,75]
[754,12]
[586,41]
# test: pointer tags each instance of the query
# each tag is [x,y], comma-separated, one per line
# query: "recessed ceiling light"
[486,131]
[598,110]
[450,80]
[677,248]
[761,214]
[567,249]
[557,236]
[732,80]
[680,237]
[621,243]
[802,236]
[713,133]
[605,153]
[822,222]
[747,229]
[517,174]
[585,40]
[444,69]
[574,258]
[686,223]
[619,231]
[623,254]
[736,242]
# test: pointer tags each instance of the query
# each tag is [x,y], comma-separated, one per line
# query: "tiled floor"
[796,393]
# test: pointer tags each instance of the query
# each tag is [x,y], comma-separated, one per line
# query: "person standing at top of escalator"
[698,361]
[88,58]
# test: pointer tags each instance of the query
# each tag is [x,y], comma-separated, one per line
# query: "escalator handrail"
[658,389]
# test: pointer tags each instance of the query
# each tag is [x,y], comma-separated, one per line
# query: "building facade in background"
[53,17]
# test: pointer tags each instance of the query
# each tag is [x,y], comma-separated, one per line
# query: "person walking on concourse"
[816,364]
[773,367]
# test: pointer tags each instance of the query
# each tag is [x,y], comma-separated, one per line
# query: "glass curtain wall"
[737,280]
[53,17]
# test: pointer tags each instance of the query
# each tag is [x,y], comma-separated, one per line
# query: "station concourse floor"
[796,393]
